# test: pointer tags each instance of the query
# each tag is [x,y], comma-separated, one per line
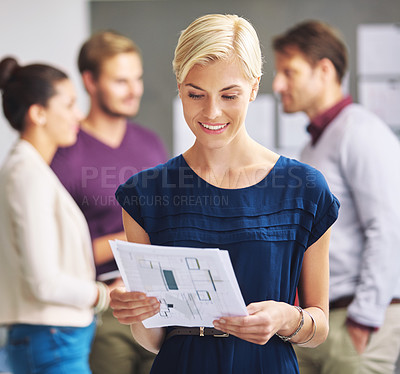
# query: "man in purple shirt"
[108,151]
[359,157]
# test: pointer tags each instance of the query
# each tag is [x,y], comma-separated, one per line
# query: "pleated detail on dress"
[265,227]
[205,228]
[281,207]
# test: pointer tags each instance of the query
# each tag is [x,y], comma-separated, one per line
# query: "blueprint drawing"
[194,285]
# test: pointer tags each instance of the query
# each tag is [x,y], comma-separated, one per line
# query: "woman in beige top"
[47,277]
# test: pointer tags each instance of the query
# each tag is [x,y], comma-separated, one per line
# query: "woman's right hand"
[132,307]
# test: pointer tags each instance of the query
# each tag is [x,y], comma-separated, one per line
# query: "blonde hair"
[102,46]
[217,37]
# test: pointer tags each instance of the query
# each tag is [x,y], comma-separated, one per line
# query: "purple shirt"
[92,171]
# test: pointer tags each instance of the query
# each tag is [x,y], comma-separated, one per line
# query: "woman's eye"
[194,96]
[229,97]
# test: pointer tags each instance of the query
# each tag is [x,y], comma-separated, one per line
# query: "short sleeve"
[129,197]
[327,208]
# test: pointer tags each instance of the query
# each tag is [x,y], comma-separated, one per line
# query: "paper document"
[194,285]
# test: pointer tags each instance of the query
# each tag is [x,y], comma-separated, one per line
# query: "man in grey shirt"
[360,158]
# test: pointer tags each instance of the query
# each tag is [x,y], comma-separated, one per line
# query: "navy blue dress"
[266,228]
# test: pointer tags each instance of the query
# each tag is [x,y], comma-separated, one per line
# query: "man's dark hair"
[315,40]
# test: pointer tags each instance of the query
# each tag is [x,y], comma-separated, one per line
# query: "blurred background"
[52,31]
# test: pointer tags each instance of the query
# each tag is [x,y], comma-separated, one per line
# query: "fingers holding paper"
[264,319]
[132,307]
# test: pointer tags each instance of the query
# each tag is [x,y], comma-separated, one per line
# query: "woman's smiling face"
[215,98]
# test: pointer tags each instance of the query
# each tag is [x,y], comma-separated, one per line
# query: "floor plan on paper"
[194,286]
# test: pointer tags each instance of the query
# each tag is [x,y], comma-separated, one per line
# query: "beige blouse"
[47,273]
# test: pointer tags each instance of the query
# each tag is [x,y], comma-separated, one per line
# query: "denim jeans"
[4,367]
[49,349]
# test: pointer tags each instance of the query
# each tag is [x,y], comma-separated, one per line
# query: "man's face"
[298,83]
[119,86]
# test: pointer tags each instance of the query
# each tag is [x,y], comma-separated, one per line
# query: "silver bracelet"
[314,329]
[288,338]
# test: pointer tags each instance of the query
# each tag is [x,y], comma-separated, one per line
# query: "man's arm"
[101,248]
[373,177]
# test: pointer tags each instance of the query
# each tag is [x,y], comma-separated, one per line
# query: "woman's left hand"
[264,320]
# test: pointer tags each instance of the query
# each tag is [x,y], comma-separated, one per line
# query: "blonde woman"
[47,284]
[272,214]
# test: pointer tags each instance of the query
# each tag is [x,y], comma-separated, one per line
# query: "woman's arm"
[131,308]
[314,288]
[269,317]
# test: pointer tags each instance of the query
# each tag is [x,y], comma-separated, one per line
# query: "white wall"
[42,31]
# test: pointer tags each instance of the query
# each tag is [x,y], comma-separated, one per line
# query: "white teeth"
[213,127]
